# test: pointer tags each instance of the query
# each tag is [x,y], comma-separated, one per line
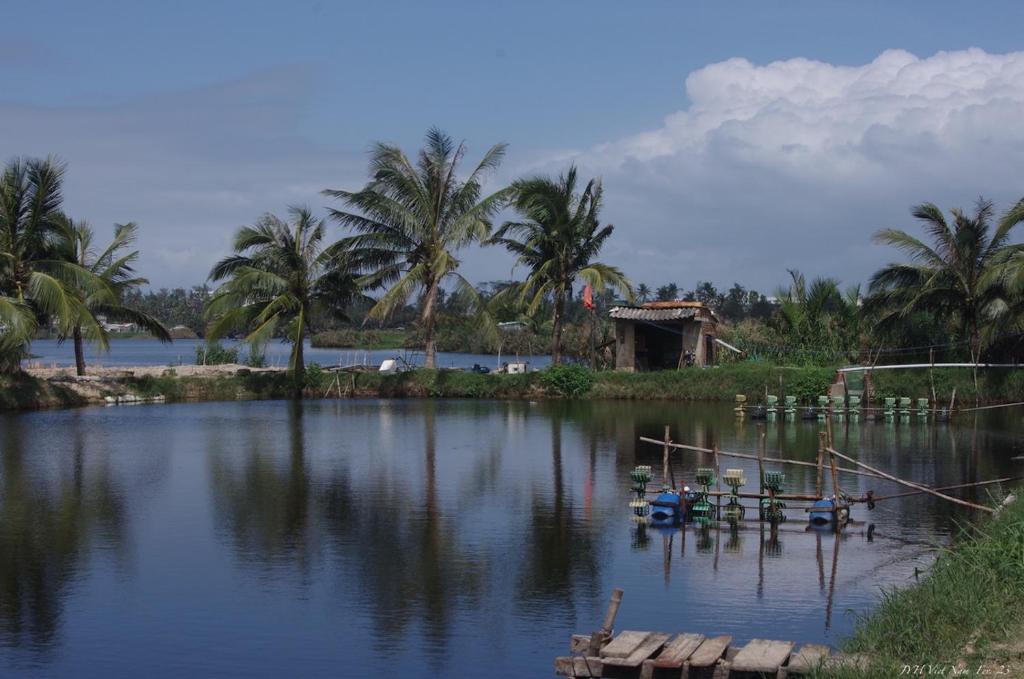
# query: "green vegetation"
[48,271]
[215,353]
[280,275]
[113,268]
[572,381]
[362,338]
[412,220]
[557,241]
[967,604]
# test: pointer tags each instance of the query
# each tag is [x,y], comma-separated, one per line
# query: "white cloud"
[796,163]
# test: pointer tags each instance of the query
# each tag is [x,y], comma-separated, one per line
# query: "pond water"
[144,351]
[422,538]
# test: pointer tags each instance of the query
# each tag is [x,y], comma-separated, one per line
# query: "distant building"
[664,335]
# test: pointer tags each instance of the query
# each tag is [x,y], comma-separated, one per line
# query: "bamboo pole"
[959,485]
[664,458]
[761,444]
[745,456]
[819,480]
[909,484]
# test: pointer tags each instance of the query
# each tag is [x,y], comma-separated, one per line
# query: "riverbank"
[58,387]
[964,618]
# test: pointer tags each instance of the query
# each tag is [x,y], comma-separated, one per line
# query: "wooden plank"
[651,645]
[624,644]
[678,650]
[579,643]
[807,659]
[578,666]
[708,653]
[762,656]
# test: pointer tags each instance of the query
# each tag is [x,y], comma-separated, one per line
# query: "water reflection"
[51,520]
[405,535]
[262,502]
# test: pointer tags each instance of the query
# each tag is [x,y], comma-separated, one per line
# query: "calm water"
[433,539]
[131,352]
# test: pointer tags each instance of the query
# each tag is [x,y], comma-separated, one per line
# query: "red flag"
[588,296]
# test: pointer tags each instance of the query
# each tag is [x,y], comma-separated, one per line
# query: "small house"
[664,335]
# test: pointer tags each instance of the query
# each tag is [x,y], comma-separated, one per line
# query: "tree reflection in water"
[561,556]
[51,518]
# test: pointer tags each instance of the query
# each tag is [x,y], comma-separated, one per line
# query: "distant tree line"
[956,292]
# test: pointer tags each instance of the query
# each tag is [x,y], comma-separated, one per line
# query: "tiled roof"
[675,314]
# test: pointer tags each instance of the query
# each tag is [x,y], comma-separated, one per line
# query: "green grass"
[974,593]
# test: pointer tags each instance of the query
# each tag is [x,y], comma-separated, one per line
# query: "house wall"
[625,346]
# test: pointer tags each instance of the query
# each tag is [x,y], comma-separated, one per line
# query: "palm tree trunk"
[556,328]
[299,375]
[79,351]
[428,318]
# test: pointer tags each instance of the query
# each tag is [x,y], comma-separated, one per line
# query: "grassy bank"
[718,384]
[968,609]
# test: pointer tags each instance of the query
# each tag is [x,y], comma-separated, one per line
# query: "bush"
[256,358]
[215,353]
[572,381]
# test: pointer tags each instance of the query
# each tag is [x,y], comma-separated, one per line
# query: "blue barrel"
[667,508]
[823,516]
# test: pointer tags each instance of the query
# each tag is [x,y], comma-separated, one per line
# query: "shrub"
[572,381]
[215,353]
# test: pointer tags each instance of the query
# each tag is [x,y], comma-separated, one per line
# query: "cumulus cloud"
[795,163]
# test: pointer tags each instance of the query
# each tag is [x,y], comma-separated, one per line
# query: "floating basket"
[705,476]
[774,480]
[734,478]
[641,474]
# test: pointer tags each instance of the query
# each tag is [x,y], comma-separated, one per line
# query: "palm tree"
[281,275]
[557,241]
[113,267]
[643,293]
[34,281]
[411,220]
[958,278]
[819,317]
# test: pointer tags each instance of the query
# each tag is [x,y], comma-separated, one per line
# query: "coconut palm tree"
[557,240]
[35,282]
[113,267]
[411,221]
[643,293]
[281,275]
[959,278]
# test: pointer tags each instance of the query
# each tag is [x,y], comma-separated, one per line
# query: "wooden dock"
[653,655]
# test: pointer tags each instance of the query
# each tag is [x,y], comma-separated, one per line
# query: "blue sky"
[193,118]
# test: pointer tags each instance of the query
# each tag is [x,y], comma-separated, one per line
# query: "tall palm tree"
[643,293]
[35,282]
[113,267]
[955,279]
[411,220]
[557,240]
[281,275]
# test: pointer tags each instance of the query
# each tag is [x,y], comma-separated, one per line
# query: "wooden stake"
[909,484]
[598,638]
